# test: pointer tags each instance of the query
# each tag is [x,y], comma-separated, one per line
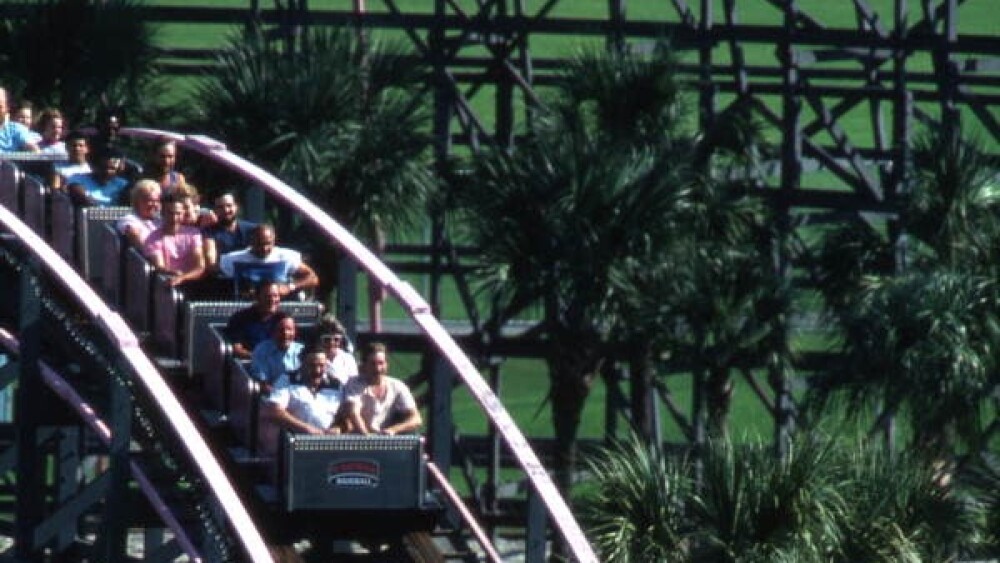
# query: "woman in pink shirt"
[176,249]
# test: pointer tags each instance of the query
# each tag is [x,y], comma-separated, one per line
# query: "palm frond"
[335,120]
[755,507]
[953,205]
[635,508]
[622,94]
[923,342]
[899,511]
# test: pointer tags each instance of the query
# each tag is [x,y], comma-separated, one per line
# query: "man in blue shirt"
[278,356]
[229,233]
[14,137]
[249,327]
[103,186]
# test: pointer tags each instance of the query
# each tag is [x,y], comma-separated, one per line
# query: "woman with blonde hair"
[145,215]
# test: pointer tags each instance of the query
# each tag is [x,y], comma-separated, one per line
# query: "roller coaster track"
[226,530]
[120,338]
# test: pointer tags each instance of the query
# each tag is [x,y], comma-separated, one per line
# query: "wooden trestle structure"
[895,65]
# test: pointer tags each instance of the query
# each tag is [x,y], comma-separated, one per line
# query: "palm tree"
[592,216]
[753,507]
[711,301]
[342,121]
[635,509]
[559,223]
[826,500]
[715,303]
[628,98]
[982,479]
[848,255]
[566,219]
[954,204]
[897,510]
[81,56]
[923,341]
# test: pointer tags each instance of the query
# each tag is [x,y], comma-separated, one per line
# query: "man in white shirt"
[268,262]
[376,403]
[309,407]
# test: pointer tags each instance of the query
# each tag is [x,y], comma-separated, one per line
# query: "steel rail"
[477,530]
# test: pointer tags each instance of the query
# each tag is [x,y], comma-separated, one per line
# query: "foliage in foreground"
[636,512]
[822,502]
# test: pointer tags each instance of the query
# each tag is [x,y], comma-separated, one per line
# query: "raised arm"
[304,278]
[211,254]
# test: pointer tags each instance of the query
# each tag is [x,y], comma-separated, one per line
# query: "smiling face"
[108,168]
[191,210]
[375,366]
[173,216]
[53,130]
[284,332]
[331,343]
[226,209]
[78,150]
[148,204]
[23,116]
[268,298]
[314,369]
[263,242]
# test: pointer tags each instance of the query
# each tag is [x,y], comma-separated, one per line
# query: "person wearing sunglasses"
[340,363]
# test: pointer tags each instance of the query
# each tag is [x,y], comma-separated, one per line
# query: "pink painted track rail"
[419,311]
[112,325]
